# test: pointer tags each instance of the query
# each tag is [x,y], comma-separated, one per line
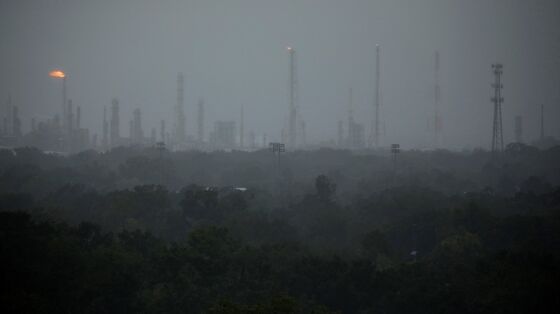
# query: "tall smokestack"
[115,126]
[292,132]
[78,116]
[377,101]
[137,132]
[340,134]
[131,131]
[162,131]
[105,140]
[241,129]
[16,122]
[64,101]
[201,120]
[179,109]
[153,136]
[70,117]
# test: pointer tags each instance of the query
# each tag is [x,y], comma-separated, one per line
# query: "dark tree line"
[135,232]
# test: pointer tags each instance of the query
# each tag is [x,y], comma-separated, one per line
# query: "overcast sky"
[233,52]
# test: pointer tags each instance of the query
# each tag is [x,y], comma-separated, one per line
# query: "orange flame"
[57,74]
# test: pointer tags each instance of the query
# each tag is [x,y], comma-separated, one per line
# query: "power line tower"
[374,136]
[497,132]
[292,131]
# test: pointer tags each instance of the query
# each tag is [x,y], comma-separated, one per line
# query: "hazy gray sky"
[233,52]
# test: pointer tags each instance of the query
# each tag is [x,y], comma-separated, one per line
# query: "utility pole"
[497,132]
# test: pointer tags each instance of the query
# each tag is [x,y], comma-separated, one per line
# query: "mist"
[232,53]
[279,157]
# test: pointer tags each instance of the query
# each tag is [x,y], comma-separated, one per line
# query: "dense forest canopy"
[327,231]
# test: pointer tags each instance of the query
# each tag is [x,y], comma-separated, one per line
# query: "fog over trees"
[223,157]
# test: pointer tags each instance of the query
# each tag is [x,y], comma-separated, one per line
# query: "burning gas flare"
[57,74]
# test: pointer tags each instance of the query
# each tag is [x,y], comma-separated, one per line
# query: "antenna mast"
[497,132]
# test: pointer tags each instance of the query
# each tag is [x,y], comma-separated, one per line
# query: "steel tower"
[497,132]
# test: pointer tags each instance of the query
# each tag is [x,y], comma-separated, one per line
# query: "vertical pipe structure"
[340,134]
[437,97]
[162,131]
[292,135]
[350,109]
[350,139]
[70,117]
[241,129]
[78,117]
[58,74]
[115,123]
[497,134]
[179,109]
[201,120]
[64,102]
[377,95]
[105,140]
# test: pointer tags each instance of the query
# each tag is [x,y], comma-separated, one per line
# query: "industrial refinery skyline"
[195,52]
